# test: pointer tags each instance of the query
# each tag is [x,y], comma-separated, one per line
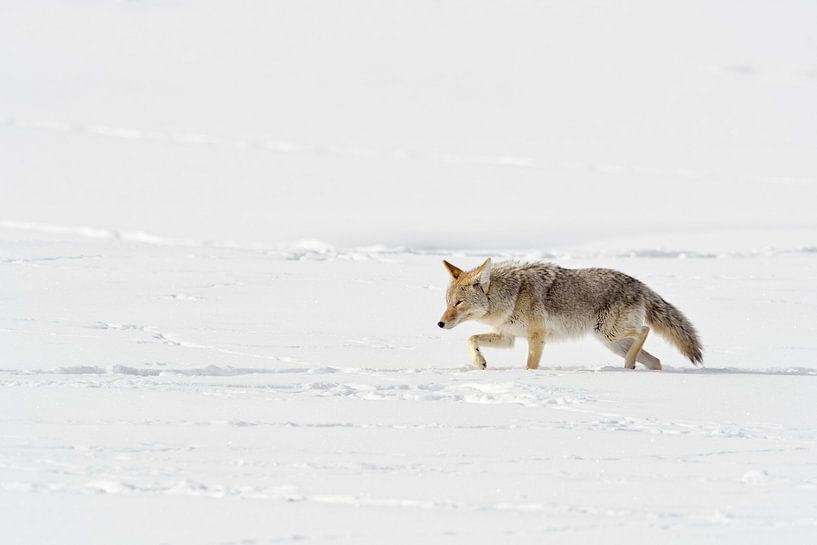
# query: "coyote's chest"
[523,324]
[516,324]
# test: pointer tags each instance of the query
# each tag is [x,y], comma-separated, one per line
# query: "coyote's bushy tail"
[671,324]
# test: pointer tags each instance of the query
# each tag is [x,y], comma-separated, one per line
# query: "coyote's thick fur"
[544,302]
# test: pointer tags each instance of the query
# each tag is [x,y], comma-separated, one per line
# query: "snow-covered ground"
[190,394]
[221,229]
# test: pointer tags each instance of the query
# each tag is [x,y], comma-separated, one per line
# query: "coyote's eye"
[458,303]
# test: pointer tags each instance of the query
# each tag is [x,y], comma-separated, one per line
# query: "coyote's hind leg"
[495,340]
[623,346]
[635,348]
[649,360]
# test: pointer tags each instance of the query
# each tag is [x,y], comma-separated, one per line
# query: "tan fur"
[543,302]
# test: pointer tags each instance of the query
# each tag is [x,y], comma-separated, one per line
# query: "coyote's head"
[467,297]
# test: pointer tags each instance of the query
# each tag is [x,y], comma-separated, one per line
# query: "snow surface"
[221,229]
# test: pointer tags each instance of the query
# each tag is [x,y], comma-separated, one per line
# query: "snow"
[221,236]
[178,394]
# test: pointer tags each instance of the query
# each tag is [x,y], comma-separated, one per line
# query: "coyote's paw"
[479,361]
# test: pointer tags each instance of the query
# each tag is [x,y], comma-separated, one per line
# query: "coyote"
[544,302]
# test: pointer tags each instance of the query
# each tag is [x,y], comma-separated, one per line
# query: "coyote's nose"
[441,324]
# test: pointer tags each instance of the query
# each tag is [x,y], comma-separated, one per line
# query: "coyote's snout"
[544,302]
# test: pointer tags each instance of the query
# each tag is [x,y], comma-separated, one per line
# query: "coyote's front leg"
[496,340]
[536,343]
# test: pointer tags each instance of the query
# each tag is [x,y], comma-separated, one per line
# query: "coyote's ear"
[484,274]
[454,271]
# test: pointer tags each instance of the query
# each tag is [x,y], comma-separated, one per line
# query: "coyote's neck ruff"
[542,301]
